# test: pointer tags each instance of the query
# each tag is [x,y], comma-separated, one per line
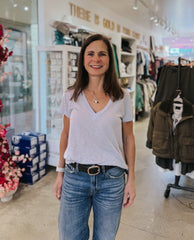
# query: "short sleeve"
[66,105]
[127,115]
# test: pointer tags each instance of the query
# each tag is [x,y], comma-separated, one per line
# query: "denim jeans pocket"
[69,168]
[115,172]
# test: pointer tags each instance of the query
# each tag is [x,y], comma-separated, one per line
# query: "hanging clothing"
[139,99]
[114,48]
[160,137]
[176,168]
[140,62]
[145,89]
[171,164]
[145,95]
[167,83]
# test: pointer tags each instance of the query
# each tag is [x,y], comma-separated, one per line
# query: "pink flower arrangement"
[10,172]
[4,51]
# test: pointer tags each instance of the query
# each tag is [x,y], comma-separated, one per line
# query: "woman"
[96,147]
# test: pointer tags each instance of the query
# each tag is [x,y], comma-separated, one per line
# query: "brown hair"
[111,84]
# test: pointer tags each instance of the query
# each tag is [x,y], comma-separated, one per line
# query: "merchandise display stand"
[177,178]
[57,68]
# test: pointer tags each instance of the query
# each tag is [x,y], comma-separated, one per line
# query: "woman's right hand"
[58,185]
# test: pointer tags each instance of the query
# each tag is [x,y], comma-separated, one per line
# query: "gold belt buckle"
[93,167]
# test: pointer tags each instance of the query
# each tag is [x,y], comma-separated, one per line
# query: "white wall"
[60,10]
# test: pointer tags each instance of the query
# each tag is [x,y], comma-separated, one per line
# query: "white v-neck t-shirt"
[96,138]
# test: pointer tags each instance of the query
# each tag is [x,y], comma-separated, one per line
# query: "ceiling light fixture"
[135,7]
[26,8]
[157,20]
[168,28]
[152,18]
[164,24]
[14,3]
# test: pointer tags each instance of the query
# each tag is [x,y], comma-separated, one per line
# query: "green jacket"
[165,143]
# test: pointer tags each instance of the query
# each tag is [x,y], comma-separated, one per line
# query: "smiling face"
[96,58]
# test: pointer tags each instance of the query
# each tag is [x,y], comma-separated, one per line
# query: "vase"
[8,196]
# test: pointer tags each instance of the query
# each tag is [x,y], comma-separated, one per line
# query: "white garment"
[177,113]
[96,138]
[140,68]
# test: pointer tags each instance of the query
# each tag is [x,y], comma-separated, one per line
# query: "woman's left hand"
[129,193]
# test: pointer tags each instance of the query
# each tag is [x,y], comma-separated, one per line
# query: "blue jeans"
[80,192]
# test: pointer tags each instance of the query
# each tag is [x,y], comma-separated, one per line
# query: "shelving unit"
[127,63]
[57,69]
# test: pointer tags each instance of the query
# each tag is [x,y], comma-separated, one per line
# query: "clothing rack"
[142,48]
[176,186]
[177,178]
[180,59]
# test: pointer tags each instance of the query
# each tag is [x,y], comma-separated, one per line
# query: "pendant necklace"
[95,99]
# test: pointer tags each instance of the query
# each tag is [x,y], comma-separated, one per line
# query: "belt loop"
[103,169]
[77,167]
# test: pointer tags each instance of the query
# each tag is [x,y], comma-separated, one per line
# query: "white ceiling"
[178,14]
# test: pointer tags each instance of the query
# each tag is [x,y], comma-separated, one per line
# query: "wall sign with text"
[86,15]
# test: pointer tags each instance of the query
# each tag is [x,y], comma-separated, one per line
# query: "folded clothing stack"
[34,145]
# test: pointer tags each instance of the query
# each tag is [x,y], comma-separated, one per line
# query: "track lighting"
[168,28]
[135,7]
[26,8]
[14,3]
[152,18]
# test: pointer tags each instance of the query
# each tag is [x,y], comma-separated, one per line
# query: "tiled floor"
[32,214]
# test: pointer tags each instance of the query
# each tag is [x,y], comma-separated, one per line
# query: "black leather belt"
[91,169]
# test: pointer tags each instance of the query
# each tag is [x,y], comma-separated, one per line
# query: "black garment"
[168,83]
[187,168]
[167,163]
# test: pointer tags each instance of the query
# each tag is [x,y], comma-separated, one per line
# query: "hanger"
[178,99]
[178,104]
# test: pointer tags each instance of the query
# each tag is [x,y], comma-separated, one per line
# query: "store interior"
[153,42]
